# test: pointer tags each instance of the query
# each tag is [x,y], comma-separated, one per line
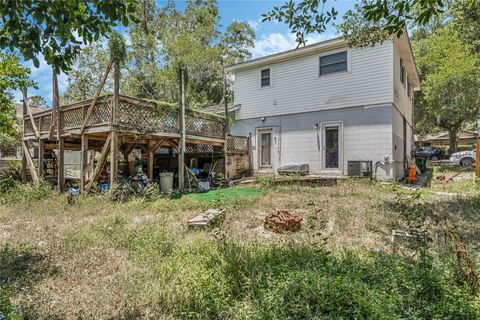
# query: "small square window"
[265,77]
[333,63]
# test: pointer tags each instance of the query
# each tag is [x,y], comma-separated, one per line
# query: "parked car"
[430,153]
[464,158]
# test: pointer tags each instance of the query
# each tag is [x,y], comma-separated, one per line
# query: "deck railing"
[138,115]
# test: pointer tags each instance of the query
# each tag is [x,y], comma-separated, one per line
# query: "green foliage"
[37,101]
[51,28]
[303,17]
[24,193]
[292,281]
[11,176]
[117,47]
[162,41]
[373,21]
[85,74]
[12,76]
[450,75]
[6,309]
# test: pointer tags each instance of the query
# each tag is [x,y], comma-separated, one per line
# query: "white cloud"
[255,24]
[276,42]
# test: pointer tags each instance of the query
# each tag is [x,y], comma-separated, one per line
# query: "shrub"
[10,176]
[22,193]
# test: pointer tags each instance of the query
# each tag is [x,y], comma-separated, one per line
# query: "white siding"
[297,87]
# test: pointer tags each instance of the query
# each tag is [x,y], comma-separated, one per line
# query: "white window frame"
[330,52]
[269,78]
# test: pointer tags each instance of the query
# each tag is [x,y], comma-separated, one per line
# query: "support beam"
[477,160]
[97,94]
[24,157]
[30,164]
[181,153]
[113,157]
[61,165]
[114,134]
[83,161]
[56,106]
[100,164]
[30,115]
[150,160]
[41,151]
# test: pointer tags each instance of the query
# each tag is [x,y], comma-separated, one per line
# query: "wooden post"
[100,164]
[61,164]
[477,160]
[97,94]
[24,157]
[30,115]
[114,143]
[55,109]
[30,164]
[181,154]
[41,150]
[150,160]
[83,161]
[225,146]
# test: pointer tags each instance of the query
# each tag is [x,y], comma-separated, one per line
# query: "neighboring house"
[326,104]
[465,138]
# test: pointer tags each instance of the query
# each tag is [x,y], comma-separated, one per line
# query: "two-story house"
[326,104]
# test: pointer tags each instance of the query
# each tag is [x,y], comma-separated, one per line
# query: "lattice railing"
[101,113]
[45,123]
[133,114]
[237,144]
[72,118]
[204,125]
[145,116]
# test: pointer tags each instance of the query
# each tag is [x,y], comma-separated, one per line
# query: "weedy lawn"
[97,259]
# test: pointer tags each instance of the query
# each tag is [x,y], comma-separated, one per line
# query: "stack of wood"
[282,221]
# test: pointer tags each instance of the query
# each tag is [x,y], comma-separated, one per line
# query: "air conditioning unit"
[359,168]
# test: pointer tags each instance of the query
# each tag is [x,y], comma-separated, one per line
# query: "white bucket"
[166,181]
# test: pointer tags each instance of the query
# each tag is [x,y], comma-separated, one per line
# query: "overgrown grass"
[99,259]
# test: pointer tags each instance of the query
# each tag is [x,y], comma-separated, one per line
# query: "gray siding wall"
[367,135]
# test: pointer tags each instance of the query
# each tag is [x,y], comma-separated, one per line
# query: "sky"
[271,37]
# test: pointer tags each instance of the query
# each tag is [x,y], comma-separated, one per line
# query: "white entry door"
[332,152]
[265,147]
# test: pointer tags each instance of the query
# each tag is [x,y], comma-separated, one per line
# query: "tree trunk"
[453,140]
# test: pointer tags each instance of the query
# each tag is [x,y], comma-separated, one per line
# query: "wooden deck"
[114,125]
[134,117]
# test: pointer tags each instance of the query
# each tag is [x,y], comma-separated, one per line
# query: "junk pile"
[210,218]
[282,221]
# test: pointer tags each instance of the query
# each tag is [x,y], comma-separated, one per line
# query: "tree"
[57,29]
[37,101]
[86,72]
[450,76]
[237,42]
[382,17]
[12,76]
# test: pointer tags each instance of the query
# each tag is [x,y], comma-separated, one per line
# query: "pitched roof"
[19,109]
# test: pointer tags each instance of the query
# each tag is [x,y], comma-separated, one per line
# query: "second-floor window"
[402,72]
[265,78]
[409,91]
[333,63]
